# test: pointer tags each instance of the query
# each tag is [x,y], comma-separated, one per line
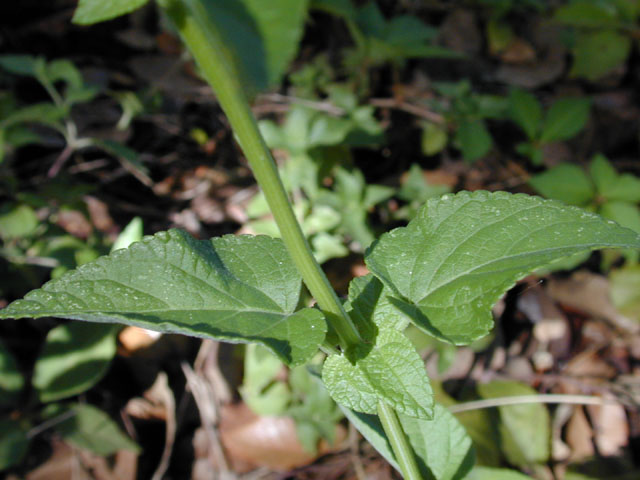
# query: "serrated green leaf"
[487,473]
[74,358]
[442,447]
[565,182]
[392,371]
[565,119]
[473,139]
[463,251]
[11,380]
[94,11]
[596,54]
[233,288]
[526,111]
[91,429]
[370,307]
[525,429]
[14,442]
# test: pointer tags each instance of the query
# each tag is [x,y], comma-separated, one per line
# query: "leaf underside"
[463,251]
[233,288]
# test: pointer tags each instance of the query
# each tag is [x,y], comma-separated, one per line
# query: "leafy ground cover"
[372,109]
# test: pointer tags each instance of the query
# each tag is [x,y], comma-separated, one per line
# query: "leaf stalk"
[217,66]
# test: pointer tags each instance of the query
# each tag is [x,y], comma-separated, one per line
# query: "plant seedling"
[601,35]
[564,119]
[466,112]
[442,273]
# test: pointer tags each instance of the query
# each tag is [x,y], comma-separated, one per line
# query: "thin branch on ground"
[523,399]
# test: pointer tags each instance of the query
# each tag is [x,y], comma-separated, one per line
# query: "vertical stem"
[399,443]
[215,61]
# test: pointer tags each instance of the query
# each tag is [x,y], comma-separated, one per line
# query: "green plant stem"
[399,443]
[215,61]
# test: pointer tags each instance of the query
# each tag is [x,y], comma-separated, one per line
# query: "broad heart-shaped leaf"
[94,11]
[233,288]
[443,448]
[74,358]
[392,371]
[462,252]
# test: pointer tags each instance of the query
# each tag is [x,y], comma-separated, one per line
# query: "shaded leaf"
[625,291]
[525,110]
[565,182]
[89,428]
[233,288]
[74,358]
[14,442]
[602,174]
[94,11]
[463,251]
[473,139]
[17,221]
[442,447]
[392,371]
[565,118]
[597,53]
[11,380]
[525,429]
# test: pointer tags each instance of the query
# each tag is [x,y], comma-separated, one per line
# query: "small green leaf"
[74,358]
[130,234]
[565,119]
[565,182]
[442,447]
[463,251]
[11,380]
[45,113]
[596,54]
[392,371]
[19,64]
[525,429]
[14,442]
[624,213]
[260,389]
[91,429]
[587,14]
[602,174]
[434,138]
[487,473]
[94,11]
[233,288]
[625,291]
[525,110]
[473,139]
[17,221]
